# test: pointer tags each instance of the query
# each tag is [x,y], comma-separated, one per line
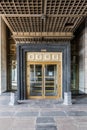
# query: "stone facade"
[81,40]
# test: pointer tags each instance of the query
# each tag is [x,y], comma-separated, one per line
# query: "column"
[67,93]
[85,85]
[3,59]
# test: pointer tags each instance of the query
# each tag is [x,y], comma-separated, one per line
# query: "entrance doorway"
[44,80]
[43,54]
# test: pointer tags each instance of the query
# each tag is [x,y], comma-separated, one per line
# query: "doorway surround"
[44,75]
[22,49]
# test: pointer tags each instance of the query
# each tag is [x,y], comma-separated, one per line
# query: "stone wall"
[0,55]
[81,40]
[3,60]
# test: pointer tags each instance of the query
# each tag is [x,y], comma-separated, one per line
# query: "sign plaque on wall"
[47,56]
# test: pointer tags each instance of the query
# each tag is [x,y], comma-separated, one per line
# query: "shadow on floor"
[80,99]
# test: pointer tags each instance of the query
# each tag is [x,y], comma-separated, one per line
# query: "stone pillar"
[67,93]
[3,62]
[85,87]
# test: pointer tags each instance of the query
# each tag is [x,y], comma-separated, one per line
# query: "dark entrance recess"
[22,49]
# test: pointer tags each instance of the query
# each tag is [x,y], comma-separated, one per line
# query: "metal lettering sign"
[47,56]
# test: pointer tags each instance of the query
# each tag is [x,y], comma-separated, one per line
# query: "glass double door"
[43,80]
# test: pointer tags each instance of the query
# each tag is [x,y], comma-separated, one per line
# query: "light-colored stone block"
[12,99]
[67,98]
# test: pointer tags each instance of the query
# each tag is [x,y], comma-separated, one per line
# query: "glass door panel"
[35,80]
[50,80]
[44,80]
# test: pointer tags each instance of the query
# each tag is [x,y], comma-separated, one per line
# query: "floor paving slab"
[46,127]
[76,113]
[53,113]
[21,114]
[45,120]
[6,114]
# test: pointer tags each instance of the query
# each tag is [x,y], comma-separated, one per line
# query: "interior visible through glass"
[43,80]
[35,80]
[51,80]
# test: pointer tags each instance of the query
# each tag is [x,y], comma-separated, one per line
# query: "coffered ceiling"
[38,19]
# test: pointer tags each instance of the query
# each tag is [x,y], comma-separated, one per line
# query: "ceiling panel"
[43,15]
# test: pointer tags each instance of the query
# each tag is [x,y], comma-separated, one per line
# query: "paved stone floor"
[43,115]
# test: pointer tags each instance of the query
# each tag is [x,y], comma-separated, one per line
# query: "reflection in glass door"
[35,80]
[51,77]
[43,80]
